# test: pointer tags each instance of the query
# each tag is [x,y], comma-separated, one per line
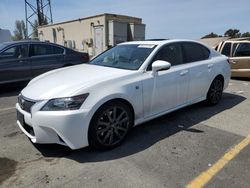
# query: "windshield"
[130,56]
[2,46]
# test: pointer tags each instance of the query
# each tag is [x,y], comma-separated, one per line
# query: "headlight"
[67,103]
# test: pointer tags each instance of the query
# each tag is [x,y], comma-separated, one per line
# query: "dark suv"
[23,60]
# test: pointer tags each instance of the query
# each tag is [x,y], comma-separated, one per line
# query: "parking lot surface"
[170,151]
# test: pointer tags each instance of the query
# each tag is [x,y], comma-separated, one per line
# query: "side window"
[243,49]
[171,53]
[58,50]
[194,52]
[234,47]
[20,51]
[226,49]
[41,49]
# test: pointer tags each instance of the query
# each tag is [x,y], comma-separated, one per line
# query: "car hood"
[67,81]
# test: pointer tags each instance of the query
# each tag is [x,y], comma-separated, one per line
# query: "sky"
[189,19]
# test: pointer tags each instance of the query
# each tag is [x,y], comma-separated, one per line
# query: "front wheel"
[110,125]
[215,92]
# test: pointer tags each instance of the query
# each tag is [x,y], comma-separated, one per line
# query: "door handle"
[184,72]
[210,66]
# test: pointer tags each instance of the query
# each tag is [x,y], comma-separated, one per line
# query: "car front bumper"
[69,128]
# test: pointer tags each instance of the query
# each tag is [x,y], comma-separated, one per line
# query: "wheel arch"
[220,76]
[123,100]
[120,99]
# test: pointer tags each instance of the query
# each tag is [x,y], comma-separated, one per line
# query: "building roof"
[213,42]
[89,17]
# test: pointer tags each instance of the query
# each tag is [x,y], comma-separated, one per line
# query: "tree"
[210,35]
[44,21]
[233,33]
[35,30]
[19,32]
[247,34]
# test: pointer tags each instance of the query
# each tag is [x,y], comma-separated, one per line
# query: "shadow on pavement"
[8,90]
[147,134]
[240,79]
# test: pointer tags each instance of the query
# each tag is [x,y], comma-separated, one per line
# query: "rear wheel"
[215,92]
[110,125]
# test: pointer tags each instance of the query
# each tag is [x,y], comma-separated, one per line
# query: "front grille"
[25,104]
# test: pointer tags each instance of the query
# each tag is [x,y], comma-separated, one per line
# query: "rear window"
[194,52]
[226,49]
[243,49]
[41,49]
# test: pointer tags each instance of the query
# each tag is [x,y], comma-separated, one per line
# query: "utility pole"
[39,10]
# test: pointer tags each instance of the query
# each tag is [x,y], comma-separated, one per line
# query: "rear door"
[15,64]
[45,57]
[241,56]
[196,56]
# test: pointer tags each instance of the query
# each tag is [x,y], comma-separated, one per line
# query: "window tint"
[20,51]
[58,50]
[41,49]
[171,53]
[194,52]
[243,49]
[226,49]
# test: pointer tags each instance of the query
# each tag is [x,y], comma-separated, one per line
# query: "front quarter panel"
[128,88]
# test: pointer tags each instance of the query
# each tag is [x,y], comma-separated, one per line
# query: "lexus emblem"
[22,103]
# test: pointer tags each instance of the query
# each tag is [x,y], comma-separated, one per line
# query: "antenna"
[39,10]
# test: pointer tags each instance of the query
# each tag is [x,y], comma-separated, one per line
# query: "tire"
[110,125]
[215,91]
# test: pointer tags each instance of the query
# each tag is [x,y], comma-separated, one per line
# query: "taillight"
[230,61]
[85,57]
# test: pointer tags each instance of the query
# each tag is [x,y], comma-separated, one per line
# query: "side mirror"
[159,65]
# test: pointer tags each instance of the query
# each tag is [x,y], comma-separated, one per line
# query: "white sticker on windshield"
[146,46]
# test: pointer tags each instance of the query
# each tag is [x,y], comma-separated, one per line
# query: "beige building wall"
[80,33]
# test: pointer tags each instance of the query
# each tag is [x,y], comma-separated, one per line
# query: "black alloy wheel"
[215,92]
[110,125]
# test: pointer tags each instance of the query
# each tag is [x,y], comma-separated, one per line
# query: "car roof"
[27,42]
[161,41]
[237,41]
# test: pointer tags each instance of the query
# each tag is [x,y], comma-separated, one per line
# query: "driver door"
[15,64]
[167,89]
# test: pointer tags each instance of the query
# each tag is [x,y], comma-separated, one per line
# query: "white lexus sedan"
[98,103]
